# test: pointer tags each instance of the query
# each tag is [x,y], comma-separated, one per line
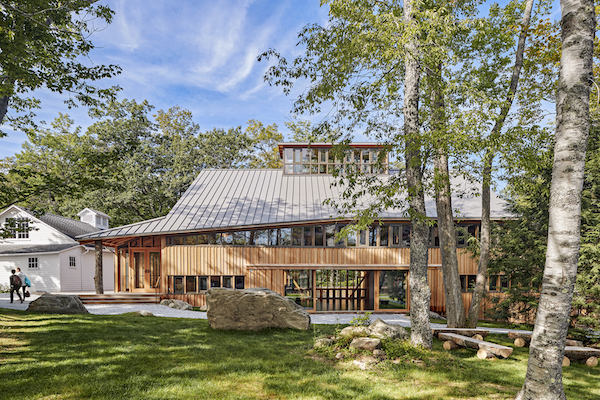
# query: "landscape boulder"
[177,304]
[363,343]
[58,304]
[355,331]
[383,330]
[253,309]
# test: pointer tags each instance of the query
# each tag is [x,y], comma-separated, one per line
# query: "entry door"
[145,264]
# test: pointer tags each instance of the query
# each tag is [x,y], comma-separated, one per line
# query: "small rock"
[364,343]
[172,305]
[203,308]
[339,356]
[143,313]
[379,353]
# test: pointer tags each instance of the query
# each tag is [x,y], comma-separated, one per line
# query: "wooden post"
[98,281]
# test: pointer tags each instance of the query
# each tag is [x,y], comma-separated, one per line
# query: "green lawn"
[133,357]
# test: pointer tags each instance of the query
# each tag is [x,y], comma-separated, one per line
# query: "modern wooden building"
[272,228]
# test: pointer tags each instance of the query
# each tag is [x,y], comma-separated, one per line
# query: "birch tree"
[544,369]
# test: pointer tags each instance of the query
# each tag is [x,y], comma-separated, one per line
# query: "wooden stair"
[120,298]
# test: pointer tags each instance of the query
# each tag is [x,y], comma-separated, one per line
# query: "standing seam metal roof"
[240,198]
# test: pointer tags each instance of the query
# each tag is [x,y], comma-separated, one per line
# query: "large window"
[385,235]
[18,228]
[193,284]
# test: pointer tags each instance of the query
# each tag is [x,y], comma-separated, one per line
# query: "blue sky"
[199,55]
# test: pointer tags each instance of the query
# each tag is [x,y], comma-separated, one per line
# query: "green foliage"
[42,45]
[265,152]
[520,244]
[125,164]
[361,320]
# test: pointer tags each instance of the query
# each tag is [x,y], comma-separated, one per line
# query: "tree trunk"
[484,253]
[420,293]
[544,369]
[3,108]
[98,279]
[484,242]
[455,309]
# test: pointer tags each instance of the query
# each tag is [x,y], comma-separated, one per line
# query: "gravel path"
[164,311]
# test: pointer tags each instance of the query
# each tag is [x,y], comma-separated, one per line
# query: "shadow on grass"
[133,357]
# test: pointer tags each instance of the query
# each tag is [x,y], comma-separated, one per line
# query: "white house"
[45,249]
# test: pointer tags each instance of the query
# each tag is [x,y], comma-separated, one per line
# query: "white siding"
[45,278]
[88,271]
[70,278]
[43,234]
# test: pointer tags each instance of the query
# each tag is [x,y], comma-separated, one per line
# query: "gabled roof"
[67,226]
[100,213]
[225,199]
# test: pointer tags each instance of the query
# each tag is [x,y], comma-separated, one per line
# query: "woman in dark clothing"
[15,286]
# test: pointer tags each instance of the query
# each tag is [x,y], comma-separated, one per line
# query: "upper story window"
[319,159]
[18,227]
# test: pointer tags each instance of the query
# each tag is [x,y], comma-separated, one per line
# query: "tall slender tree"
[544,368]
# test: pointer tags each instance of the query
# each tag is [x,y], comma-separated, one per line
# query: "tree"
[125,164]
[265,152]
[484,250]
[544,368]
[42,43]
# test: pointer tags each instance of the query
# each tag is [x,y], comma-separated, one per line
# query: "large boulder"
[58,304]
[253,309]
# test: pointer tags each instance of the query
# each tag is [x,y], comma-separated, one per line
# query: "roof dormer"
[324,158]
[96,218]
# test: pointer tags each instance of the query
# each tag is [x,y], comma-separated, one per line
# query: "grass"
[134,357]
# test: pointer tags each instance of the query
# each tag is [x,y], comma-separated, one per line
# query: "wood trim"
[362,267]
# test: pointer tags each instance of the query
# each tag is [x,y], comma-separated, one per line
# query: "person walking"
[24,281]
[15,286]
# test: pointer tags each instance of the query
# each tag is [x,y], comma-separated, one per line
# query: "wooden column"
[98,281]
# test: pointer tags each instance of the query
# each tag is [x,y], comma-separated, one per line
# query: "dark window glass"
[178,285]
[493,283]
[396,230]
[215,281]
[285,235]
[261,237]
[308,236]
[318,235]
[384,233]
[175,240]
[434,238]
[202,239]
[405,235]
[362,238]
[227,238]
[504,281]
[190,240]
[202,283]
[471,280]
[330,235]
[250,238]
[214,238]
[239,238]
[297,236]
[373,231]
[239,282]
[461,235]
[342,240]
[273,237]
[190,284]
[472,229]
[227,282]
[463,283]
